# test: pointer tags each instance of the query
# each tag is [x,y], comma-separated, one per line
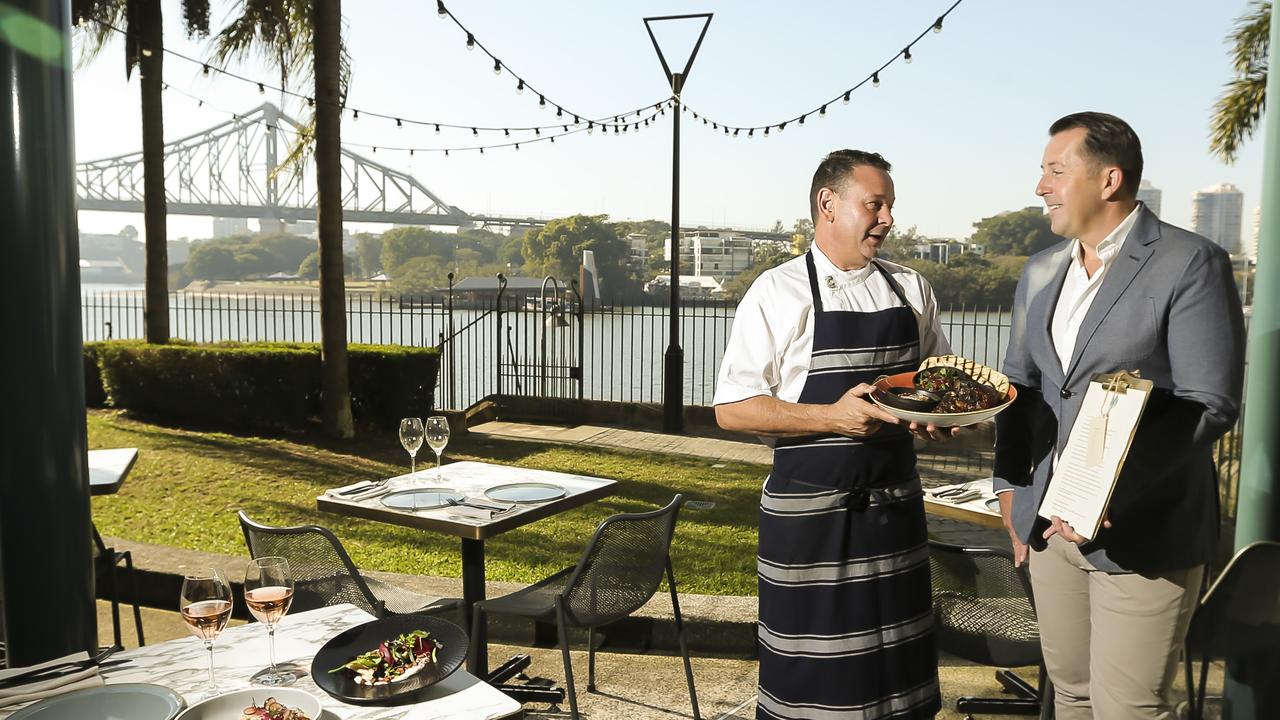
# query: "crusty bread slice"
[977,371]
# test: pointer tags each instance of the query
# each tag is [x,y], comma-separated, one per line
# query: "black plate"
[363,638]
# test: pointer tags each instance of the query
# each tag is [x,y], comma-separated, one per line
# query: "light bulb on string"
[437,129]
[559,111]
[520,87]
[398,123]
[802,119]
[506,132]
[875,79]
[542,102]
[262,89]
[538,132]
[751,132]
[440,9]
[576,120]
[471,41]
[937,26]
[206,70]
[446,153]
[355,114]
[517,146]
[823,111]
[591,128]
[846,97]
[906,55]
[475,133]
[481,151]
[497,67]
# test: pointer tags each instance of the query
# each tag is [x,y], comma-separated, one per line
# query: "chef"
[845,623]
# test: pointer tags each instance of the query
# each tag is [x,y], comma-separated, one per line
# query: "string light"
[471,41]
[398,123]
[497,67]
[845,97]
[542,102]
[440,9]
[355,114]
[206,71]
[520,88]
[262,89]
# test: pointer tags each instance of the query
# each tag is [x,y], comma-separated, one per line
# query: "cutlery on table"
[64,668]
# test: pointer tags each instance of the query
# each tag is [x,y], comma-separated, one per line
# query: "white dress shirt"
[1079,289]
[772,336]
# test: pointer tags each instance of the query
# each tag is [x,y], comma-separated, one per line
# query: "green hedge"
[259,385]
[94,394]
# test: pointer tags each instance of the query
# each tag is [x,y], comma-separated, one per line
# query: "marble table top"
[241,651]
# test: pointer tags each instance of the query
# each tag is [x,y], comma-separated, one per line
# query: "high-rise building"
[1150,195]
[1216,213]
[230,227]
[709,253]
[1252,250]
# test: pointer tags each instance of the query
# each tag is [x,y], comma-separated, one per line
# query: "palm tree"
[142,22]
[304,37]
[1237,112]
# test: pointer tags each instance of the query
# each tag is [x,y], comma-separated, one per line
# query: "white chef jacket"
[772,336]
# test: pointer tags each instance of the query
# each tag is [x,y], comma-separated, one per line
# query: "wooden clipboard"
[1084,475]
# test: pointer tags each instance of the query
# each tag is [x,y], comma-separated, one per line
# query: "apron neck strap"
[817,296]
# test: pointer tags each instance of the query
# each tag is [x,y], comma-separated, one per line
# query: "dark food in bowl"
[905,398]
[960,391]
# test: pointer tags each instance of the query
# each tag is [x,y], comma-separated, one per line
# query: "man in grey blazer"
[1125,291]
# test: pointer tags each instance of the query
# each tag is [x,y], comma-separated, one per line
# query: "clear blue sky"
[964,124]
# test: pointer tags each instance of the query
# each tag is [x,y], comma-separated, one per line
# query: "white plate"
[230,706]
[938,419]
[136,701]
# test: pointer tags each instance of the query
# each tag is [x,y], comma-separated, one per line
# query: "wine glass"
[411,439]
[205,604]
[268,591]
[438,437]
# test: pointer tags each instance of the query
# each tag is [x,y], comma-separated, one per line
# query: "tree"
[143,25]
[369,254]
[209,261]
[1018,232]
[304,37]
[309,268]
[420,275]
[1238,110]
[402,243]
[557,249]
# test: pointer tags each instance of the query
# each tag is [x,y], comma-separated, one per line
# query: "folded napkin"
[363,490]
[49,686]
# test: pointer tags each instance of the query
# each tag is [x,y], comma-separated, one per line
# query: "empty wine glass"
[205,604]
[411,439]
[438,437]
[268,591]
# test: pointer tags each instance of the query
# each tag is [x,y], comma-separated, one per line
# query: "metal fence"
[520,345]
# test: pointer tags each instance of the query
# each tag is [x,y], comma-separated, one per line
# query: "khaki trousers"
[1111,641]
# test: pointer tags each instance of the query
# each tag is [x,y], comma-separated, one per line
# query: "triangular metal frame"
[662,58]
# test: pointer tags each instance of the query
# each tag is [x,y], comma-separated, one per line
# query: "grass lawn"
[186,487]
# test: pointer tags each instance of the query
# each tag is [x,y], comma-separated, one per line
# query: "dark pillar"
[46,574]
[673,381]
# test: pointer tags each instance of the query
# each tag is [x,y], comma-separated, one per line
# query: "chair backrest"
[622,566]
[1241,612]
[323,573]
[982,606]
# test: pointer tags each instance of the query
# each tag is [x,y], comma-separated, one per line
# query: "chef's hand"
[1006,514]
[856,417]
[932,432]
[1061,527]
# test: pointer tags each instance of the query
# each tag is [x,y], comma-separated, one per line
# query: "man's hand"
[933,432]
[1006,513]
[1061,527]
[855,417]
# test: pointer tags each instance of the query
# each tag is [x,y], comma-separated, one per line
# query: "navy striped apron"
[846,623]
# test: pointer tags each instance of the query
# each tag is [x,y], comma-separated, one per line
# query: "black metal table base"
[532,692]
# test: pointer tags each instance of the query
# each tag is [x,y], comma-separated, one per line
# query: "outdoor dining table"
[182,666]
[472,479]
[109,468]
[977,504]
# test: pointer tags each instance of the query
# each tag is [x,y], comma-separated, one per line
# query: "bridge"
[234,170]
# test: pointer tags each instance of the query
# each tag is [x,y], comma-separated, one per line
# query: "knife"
[64,668]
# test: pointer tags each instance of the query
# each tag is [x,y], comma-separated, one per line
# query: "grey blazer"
[1169,308]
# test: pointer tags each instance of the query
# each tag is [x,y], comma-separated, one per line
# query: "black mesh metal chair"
[984,614]
[106,570]
[619,571]
[323,573]
[1239,618]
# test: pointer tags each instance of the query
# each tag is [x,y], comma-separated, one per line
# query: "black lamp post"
[673,387]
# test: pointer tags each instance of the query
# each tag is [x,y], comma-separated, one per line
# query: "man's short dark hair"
[834,171]
[1108,141]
